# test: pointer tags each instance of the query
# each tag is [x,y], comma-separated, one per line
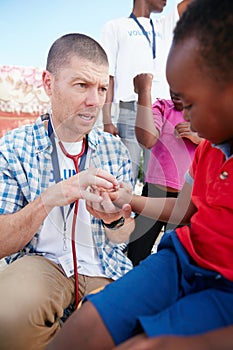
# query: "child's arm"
[214,340]
[146,132]
[174,210]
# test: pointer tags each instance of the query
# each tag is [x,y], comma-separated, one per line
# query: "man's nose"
[93,98]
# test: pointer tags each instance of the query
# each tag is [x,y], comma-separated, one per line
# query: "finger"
[93,212]
[126,211]
[97,206]
[103,177]
[92,197]
[108,205]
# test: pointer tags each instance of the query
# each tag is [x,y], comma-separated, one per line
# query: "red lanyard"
[75,158]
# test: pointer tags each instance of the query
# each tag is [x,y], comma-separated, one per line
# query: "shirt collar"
[225,148]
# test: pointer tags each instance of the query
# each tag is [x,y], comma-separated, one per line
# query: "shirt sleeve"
[158,109]
[109,41]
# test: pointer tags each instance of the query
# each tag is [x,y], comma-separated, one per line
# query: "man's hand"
[77,187]
[108,212]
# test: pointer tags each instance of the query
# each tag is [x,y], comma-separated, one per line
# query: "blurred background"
[29,27]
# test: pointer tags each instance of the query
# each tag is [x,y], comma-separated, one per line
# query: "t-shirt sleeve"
[158,109]
[109,41]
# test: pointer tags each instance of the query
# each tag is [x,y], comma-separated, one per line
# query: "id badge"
[67,264]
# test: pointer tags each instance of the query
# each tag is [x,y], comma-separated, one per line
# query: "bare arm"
[107,108]
[84,330]
[182,6]
[221,339]
[145,130]
[174,210]
[17,229]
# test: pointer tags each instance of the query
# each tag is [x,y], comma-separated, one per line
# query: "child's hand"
[183,130]
[121,196]
[142,82]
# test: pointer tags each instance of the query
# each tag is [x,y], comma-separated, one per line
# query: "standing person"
[44,235]
[134,45]
[163,129]
[184,292]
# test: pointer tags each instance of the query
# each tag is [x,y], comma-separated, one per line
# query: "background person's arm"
[107,110]
[146,132]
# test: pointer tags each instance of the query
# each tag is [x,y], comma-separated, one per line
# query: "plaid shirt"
[25,169]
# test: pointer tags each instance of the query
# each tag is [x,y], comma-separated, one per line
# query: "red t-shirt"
[209,239]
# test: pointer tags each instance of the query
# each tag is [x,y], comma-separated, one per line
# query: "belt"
[131,105]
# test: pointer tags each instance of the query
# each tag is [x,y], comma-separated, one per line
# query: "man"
[180,297]
[46,231]
[136,45]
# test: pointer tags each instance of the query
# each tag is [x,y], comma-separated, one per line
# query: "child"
[172,145]
[186,288]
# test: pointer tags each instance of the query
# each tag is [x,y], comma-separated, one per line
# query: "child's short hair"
[210,22]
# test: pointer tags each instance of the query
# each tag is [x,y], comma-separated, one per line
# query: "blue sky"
[28,28]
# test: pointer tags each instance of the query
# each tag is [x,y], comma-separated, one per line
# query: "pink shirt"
[171,156]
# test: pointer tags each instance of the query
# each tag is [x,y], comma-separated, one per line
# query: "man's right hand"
[77,187]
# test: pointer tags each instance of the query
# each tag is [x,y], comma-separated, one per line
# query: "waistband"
[131,105]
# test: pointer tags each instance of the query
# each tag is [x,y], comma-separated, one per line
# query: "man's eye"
[81,85]
[103,90]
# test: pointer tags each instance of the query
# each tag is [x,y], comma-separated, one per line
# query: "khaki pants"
[33,295]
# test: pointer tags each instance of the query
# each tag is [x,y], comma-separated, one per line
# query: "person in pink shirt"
[164,130]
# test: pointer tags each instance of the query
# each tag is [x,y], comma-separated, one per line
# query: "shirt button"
[223,175]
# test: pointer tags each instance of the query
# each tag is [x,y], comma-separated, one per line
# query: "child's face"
[208,103]
[177,101]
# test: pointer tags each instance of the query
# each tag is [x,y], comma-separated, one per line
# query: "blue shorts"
[166,294]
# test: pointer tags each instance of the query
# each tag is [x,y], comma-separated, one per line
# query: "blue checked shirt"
[25,169]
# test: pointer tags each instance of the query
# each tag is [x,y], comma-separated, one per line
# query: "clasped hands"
[113,206]
[114,203]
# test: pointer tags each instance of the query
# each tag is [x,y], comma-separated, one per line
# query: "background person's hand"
[111,129]
[143,82]
[183,130]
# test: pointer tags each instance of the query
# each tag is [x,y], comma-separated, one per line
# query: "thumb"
[126,211]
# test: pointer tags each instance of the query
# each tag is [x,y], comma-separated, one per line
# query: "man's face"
[77,94]
[207,104]
[157,5]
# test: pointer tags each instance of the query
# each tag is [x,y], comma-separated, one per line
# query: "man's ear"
[47,81]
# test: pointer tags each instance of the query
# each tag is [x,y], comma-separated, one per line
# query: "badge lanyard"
[78,168]
[132,15]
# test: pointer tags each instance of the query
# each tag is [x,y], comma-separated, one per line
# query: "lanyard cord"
[75,159]
[132,15]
